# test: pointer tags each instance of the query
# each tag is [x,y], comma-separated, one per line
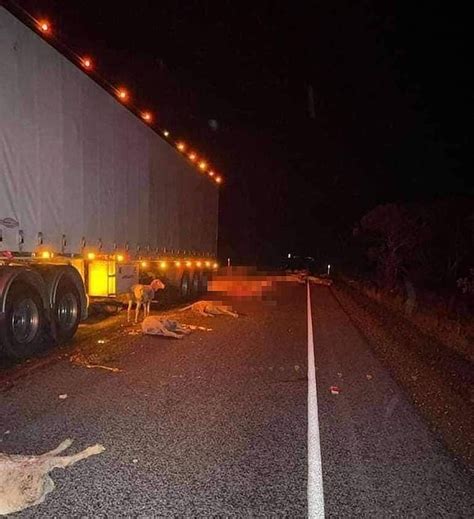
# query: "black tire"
[204,282]
[196,284]
[66,313]
[184,287]
[23,323]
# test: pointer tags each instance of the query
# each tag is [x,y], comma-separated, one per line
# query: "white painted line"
[315,473]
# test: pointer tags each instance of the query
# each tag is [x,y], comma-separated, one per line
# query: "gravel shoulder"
[438,380]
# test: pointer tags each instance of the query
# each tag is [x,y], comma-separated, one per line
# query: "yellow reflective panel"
[101,278]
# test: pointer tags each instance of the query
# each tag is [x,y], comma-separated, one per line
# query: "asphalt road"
[216,424]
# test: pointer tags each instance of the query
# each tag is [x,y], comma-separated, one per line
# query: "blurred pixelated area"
[250,283]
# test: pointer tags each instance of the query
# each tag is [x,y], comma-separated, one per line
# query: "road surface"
[217,424]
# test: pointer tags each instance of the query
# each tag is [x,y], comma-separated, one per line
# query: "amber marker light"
[211,173]
[163,264]
[188,264]
[219,180]
[146,116]
[208,263]
[192,156]
[181,146]
[177,263]
[198,264]
[46,254]
[144,264]
[120,257]
[86,63]
[122,94]
[215,265]
[44,26]
[166,133]
[90,256]
[202,165]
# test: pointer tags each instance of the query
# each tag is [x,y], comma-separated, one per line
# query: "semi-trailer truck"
[91,198]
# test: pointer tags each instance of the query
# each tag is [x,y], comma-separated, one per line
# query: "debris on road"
[369,376]
[154,325]
[7,432]
[335,390]
[320,281]
[194,327]
[25,480]
[80,360]
[63,396]
[100,366]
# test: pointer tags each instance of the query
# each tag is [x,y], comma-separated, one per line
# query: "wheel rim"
[25,321]
[67,311]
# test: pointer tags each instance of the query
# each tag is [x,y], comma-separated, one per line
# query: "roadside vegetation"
[412,297]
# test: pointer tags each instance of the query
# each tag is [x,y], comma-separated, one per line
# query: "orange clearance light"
[198,264]
[181,146]
[86,63]
[91,256]
[177,263]
[208,263]
[188,264]
[163,264]
[211,173]
[146,116]
[215,265]
[219,180]
[166,133]
[122,94]
[202,165]
[46,254]
[44,26]
[192,156]
[120,257]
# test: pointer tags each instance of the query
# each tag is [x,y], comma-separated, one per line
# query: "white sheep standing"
[142,295]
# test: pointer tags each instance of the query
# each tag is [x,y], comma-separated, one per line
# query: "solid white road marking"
[315,474]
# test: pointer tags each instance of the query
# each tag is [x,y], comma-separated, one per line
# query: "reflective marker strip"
[315,475]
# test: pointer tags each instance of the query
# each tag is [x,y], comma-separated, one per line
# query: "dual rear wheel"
[193,284]
[28,327]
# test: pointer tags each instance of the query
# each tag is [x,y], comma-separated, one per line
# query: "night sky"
[392,104]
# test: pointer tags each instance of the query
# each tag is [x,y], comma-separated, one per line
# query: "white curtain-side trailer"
[91,198]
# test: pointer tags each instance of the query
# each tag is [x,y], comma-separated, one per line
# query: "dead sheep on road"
[25,480]
[154,325]
[210,309]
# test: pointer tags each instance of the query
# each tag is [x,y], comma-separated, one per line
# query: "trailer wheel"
[66,311]
[196,284]
[204,282]
[24,321]
[184,286]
